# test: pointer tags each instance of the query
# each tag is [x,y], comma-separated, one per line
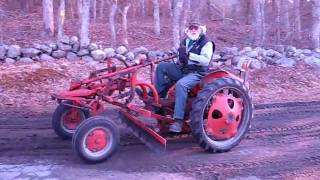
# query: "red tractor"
[219,110]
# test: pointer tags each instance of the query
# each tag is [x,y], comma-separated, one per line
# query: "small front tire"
[66,119]
[96,139]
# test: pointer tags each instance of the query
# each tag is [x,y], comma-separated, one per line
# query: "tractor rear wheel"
[66,119]
[95,139]
[221,114]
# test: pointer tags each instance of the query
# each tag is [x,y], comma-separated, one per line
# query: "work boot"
[176,127]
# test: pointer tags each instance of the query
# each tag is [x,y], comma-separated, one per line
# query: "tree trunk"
[260,29]
[243,12]
[198,8]
[156,17]
[316,23]
[25,6]
[48,17]
[71,5]
[215,11]
[250,12]
[176,22]
[143,8]
[94,10]
[111,22]
[297,20]
[186,16]
[60,19]
[125,25]
[263,24]
[1,25]
[79,4]
[278,20]
[101,9]
[171,5]
[85,22]
[285,15]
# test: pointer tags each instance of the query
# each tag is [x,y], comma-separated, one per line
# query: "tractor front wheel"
[221,114]
[95,139]
[66,119]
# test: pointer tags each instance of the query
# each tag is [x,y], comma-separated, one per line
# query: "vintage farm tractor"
[219,110]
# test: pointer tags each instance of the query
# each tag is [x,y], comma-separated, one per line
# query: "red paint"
[96,140]
[223,120]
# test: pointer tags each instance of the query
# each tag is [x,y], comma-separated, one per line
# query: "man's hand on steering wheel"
[183,55]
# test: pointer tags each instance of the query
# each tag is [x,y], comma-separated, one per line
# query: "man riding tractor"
[195,53]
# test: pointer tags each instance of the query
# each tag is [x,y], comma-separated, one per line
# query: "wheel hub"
[72,119]
[230,118]
[224,116]
[96,140]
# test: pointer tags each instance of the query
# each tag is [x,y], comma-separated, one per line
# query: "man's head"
[194,30]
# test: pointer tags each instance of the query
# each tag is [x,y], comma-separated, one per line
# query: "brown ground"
[283,143]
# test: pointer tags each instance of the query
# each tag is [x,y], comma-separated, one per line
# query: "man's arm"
[205,55]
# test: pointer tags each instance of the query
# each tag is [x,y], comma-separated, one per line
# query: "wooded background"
[115,22]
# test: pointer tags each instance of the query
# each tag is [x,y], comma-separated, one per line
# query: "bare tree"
[25,6]
[111,21]
[243,11]
[297,20]
[215,10]
[94,10]
[60,19]
[48,20]
[186,15]
[171,5]
[124,14]
[277,4]
[71,4]
[84,26]
[101,9]
[285,15]
[316,23]
[156,16]
[259,22]
[79,4]
[1,25]
[250,11]
[143,7]
[197,11]
[176,22]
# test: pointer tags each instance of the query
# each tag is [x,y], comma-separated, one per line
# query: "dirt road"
[283,144]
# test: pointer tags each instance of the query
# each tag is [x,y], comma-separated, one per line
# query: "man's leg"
[166,69]
[182,86]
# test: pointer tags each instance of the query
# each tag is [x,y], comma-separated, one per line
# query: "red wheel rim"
[224,116]
[96,140]
[72,118]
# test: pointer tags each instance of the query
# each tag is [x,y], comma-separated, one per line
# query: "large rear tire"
[221,114]
[96,139]
[66,119]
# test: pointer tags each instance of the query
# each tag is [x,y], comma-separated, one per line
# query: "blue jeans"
[169,73]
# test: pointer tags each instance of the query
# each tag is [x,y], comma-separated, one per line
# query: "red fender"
[213,76]
[219,74]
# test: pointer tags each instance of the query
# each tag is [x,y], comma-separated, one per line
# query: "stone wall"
[69,48]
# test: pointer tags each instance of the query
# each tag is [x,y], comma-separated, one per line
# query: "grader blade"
[149,137]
